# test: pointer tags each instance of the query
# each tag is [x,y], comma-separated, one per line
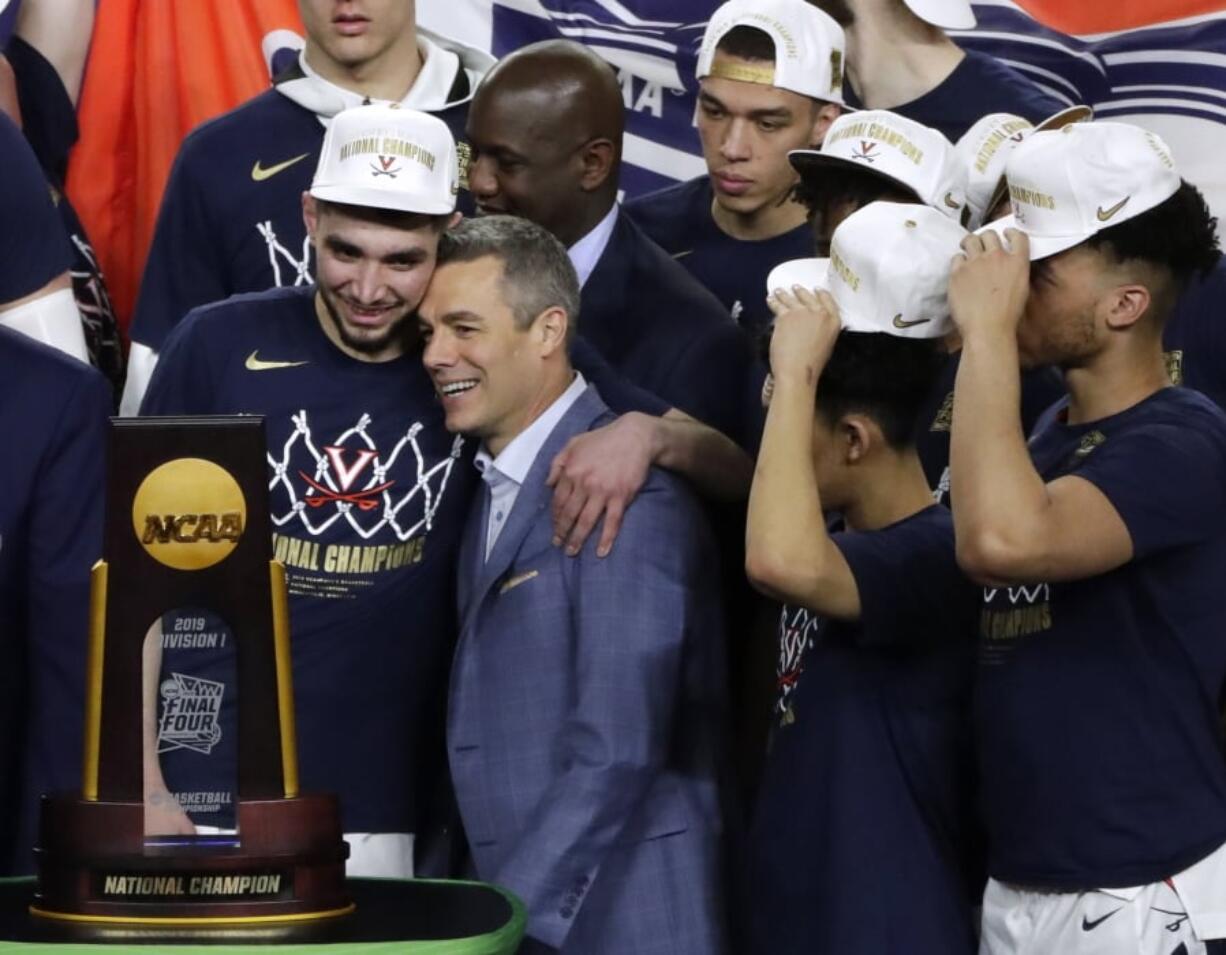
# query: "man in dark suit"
[546,132]
[586,693]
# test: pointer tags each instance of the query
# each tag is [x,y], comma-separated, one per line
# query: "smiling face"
[747,130]
[493,374]
[525,161]
[371,277]
[357,36]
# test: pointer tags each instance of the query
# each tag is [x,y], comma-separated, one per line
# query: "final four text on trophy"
[187,525]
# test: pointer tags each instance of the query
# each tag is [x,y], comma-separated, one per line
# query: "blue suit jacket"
[658,327]
[587,697]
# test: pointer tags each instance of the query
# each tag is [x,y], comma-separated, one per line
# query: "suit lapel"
[534,497]
[603,299]
[472,547]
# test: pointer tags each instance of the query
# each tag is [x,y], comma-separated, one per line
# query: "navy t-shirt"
[53,421]
[1195,336]
[367,496]
[34,247]
[679,220]
[231,215]
[1041,388]
[979,85]
[1097,705]
[863,832]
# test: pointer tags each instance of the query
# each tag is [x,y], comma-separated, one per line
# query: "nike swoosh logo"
[1105,215]
[259,173]
[1088,926]
[951,201]
[255,364]
[682,255]
[899,323]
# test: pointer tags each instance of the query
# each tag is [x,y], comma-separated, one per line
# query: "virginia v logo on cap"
[387,157]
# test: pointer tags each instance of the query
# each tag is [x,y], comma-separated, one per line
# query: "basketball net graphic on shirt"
[797,632]
[348,479]
[301,268]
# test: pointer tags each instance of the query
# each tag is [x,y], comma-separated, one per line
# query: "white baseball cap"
[888,270]
[1068,185]
[986,146]
[946,14]
[809,47]
[898,149]
[386,157]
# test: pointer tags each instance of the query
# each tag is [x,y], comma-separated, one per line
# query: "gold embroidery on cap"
[844,271]
[763,75]
[1031,197]
[1013,129]
[836,70]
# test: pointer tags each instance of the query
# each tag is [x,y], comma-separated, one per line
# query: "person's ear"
[827,113]
[1124,306]
[597,159]
[858,435]
[550,328]
[310,214]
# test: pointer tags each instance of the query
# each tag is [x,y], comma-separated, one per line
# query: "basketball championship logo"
[190,718]
[189,514]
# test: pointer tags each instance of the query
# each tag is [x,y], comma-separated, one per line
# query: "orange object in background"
[157,68]
[1083,18]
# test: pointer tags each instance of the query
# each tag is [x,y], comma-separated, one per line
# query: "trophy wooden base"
[287,865]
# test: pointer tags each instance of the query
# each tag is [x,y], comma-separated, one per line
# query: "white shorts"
[382,855]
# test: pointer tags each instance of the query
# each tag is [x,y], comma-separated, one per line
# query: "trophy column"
[187,525]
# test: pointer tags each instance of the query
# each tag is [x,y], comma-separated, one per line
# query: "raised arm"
[788,553]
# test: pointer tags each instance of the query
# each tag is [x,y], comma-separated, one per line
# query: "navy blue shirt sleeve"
[34,248]
[911,590]
[717,381]
[1164,480]
[183,269]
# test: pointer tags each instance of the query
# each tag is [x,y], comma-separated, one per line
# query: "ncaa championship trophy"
[187,525]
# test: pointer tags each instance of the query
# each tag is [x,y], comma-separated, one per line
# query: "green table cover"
[413,916]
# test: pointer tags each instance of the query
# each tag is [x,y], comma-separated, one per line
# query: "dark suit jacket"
[584,719]
[655,324]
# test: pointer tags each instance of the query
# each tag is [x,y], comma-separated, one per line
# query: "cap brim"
[807,273]
[807,160]
[1041,246]
[946,14]
[1066,117]
[383,199]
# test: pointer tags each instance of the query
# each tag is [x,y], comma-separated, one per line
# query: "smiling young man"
[586,703]
[770,81]
[230,219]
[1100,544]
[367,490]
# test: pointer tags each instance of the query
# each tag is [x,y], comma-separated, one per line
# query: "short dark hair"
[409,221]
[823,185]
[1179,235]
[747,43]
[537,274]
[884,377]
